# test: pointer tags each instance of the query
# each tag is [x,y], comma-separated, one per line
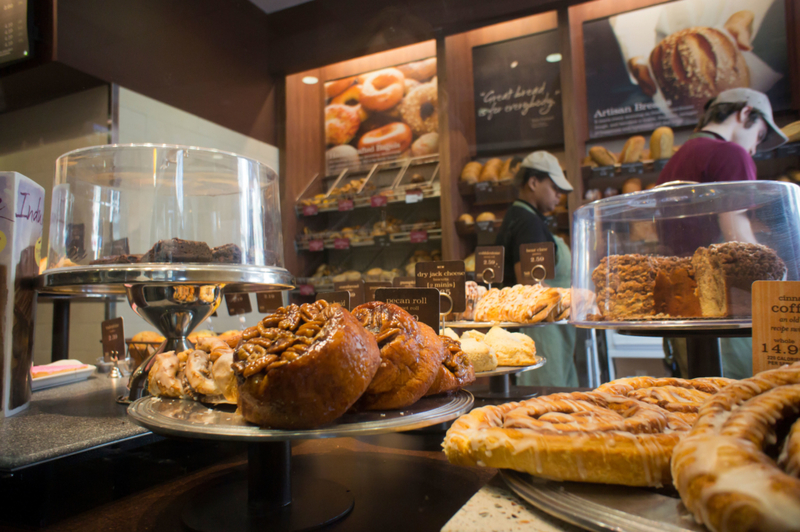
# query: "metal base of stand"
[703,356]
[500,388]
[268,499]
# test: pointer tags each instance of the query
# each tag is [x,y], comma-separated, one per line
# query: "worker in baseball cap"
[541,183]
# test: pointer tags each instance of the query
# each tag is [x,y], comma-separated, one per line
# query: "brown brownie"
[230,253]
[177,250]
[117,259]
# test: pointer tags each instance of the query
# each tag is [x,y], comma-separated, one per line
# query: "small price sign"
[632,168]
[371,286]
[113,337]
[238,304]
[341,297]
[404,282]
[316,245]
[310,210]
[307,290]
[354,288]
[417,237]
[382,240]
[448,277]
[345,204]
[414,195]
[422,303]
[483,187]
[490,264]
[341,243]
[269,301]
[538,261]
[379,200]
[776,324]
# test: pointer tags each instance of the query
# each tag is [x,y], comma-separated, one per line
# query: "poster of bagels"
[382,116]
[659,65]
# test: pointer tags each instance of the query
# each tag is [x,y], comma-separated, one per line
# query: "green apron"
[554,342]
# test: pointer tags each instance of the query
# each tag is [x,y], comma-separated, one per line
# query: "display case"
[683,255]
[154,204]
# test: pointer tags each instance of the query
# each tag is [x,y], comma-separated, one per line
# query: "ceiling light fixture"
[310,80]
[553,58]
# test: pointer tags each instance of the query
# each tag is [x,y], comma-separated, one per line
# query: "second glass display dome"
[683,255]
[157,204]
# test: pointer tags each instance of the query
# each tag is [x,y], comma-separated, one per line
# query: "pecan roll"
[411,355]
[456,371]
[303,366]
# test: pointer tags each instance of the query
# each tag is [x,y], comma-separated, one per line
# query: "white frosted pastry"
[511,349]
[481,355]
[450,333]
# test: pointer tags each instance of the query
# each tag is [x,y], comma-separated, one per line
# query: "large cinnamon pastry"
[735,470]
[456,370]
[589,437]
[304,366]
[411,355]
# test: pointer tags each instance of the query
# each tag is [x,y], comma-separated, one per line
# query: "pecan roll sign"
[304,366]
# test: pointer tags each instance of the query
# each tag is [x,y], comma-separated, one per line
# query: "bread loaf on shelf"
[632,150]
[661,143]
[602,156]
[471,172]
[491,170]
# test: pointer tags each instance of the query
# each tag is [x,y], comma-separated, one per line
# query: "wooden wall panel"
[377,61]
[304,155]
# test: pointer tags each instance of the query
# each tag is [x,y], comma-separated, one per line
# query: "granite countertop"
[66,420]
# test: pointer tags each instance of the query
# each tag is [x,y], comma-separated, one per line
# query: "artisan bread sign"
[776,324]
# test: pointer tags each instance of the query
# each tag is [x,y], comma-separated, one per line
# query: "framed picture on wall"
[518,94]
[381,116]
[659,65]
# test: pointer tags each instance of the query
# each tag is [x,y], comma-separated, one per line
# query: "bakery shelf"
[362,202]
[375,241]
[398,164]
[490,192]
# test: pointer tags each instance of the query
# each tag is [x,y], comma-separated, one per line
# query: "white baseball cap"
[547,163]
[759,102]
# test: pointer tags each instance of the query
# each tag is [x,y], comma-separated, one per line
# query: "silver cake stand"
[269,497]
[500,381]
[173,298]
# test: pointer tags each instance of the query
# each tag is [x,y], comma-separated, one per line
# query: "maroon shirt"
[705,158]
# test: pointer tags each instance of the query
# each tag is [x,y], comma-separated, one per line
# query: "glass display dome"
[683,255]
[127,207]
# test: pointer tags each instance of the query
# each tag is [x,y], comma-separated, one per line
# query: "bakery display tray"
[502,324]
[112,278]
[601,507]
[185,418]
[664,325]
[511,370]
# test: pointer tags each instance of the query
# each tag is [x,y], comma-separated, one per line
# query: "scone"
[474,335]
[511,349]
[481,355]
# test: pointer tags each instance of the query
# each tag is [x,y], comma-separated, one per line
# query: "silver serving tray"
[502,324]
[185,418]
[601,507]
[675,325]
[511,370]
[112,278]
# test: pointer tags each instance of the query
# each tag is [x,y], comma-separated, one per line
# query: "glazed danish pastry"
[411,355]
[304,366]
[456,370]
[723,469]
[586,437]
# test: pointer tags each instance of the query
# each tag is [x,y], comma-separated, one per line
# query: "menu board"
[518,93]
[381,116]
[630,81]
[14,44]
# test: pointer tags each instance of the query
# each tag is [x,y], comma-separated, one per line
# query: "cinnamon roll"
[735,470]
[411,355]
[587,437]
[304,366]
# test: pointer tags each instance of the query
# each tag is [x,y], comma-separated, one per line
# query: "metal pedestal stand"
[269,497]
[174,298]
[500,382]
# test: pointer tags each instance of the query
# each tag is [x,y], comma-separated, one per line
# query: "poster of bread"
[382,116]
[660,65]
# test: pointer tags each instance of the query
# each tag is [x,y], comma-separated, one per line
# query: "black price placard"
[120,247]
[490,260]
[269,301]
[449,277]
[341,297]
[404,282]
[113,337]
[238,304]
[369,289]
[422,303]
[538,260]
[356,289]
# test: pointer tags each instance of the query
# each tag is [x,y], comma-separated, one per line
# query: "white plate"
[59,379]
